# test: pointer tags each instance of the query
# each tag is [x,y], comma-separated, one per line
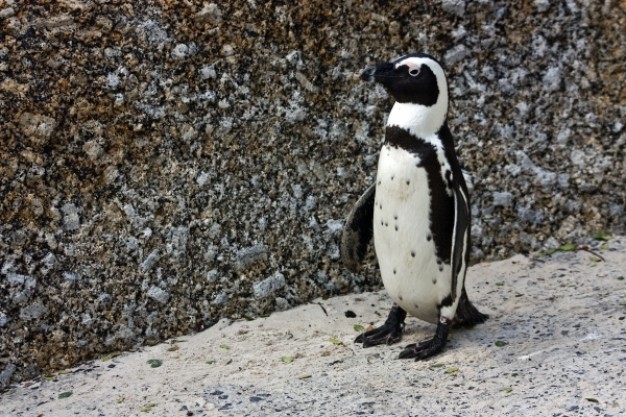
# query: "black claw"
[431,347]
[388,333]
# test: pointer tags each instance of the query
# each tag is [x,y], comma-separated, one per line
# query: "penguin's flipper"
[431,347]
[388,333]
[358,230]
[466,314]
[460,238]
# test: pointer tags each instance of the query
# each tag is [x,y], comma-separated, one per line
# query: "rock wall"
[165,164]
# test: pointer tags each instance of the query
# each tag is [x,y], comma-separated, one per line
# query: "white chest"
[405,248]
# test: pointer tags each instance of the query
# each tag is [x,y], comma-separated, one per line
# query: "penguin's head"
[418,84]
[415,78]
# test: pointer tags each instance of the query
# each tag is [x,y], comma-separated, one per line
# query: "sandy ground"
[555,345]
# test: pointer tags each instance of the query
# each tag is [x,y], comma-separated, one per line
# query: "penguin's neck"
[419,120]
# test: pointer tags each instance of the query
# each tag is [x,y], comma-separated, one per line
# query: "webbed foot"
[431,347]
[388,333]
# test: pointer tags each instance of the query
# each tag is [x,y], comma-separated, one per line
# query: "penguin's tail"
[466,314]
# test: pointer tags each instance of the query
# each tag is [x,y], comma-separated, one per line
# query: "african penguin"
[418,210]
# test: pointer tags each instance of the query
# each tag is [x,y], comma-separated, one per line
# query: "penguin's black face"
[410,79]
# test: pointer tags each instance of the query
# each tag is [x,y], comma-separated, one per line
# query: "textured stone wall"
[165,164]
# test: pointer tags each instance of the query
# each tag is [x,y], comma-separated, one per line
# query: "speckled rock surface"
[165,164]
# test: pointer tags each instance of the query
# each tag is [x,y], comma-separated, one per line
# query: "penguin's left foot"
[388,333]
[428,348]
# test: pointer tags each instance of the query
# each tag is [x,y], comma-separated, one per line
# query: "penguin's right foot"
[387,334]
[431,347]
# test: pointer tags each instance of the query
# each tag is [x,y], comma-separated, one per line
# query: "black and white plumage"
[418,210]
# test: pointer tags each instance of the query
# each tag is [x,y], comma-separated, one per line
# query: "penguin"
[417,211]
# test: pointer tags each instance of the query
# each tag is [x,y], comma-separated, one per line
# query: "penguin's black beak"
[378,74]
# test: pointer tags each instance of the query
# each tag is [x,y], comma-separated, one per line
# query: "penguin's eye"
[414,72]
